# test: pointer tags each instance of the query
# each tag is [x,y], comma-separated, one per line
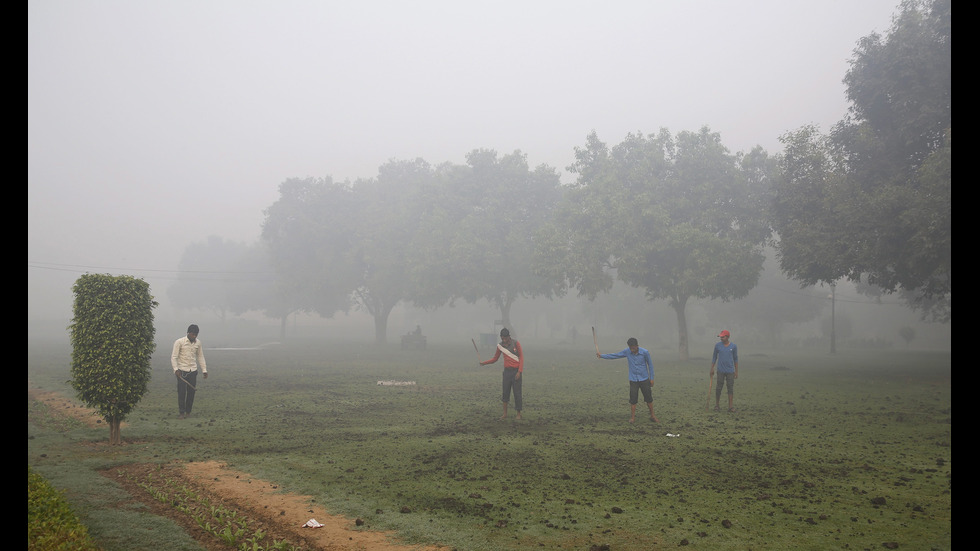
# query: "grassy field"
[846,451]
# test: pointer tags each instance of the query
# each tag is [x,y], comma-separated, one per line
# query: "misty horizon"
[153,126]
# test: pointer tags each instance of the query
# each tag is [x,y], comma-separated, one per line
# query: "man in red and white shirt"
[513,368]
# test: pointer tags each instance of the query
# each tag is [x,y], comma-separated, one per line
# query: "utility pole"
[833,317]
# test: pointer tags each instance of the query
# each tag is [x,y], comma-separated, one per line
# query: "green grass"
[51,523]
[844,451]
[71,461]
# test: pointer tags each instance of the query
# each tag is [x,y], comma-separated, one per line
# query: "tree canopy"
[230,277]
[679,217]
[306,230]
[478,228]
[873,200]
[343,246]
[206,273]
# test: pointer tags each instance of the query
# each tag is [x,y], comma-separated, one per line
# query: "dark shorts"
[723,379]
[641,386]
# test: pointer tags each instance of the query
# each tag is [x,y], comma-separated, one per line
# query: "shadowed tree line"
[676,215]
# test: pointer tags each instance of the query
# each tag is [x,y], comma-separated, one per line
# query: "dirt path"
[292,510]
[280,515]
[284,514]
[63,406]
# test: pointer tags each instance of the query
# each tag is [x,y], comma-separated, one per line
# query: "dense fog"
[154,125]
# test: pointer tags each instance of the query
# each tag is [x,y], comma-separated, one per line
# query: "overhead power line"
[174,274]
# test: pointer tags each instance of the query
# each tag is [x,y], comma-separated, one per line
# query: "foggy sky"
[154,124]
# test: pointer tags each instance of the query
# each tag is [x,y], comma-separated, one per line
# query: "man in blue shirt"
[726,356]
[640,375]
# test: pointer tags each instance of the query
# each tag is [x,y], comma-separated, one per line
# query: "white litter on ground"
[396,383]
[672,435]
[312,523]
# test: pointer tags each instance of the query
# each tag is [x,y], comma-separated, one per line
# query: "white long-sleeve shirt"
[188,356]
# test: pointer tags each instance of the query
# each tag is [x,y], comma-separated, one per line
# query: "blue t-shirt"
[725,357]
[638,363]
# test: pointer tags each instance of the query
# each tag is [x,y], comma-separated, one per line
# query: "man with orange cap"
[726,356]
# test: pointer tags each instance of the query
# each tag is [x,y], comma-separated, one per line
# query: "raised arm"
[613,355]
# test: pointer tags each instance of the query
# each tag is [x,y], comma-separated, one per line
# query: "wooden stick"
[181,377]
[595,341]
[707,403]
[477,351]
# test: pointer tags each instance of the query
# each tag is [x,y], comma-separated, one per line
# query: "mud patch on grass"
[280,516]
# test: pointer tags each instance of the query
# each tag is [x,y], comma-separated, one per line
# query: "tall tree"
[478,228]
[206,272]
[112,341]
[679,218]
[809,207]
[230,277]
[388,211]
[886,197]
[344,246]
[258,287]
[308,232]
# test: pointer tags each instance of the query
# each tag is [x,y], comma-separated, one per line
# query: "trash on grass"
[312,523]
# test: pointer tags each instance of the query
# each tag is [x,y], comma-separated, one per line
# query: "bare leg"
[632,413]
[652,416]
[504,416]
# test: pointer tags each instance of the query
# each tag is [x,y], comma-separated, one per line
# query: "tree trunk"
[680,307]
[115,438]
[381,328]
[505,304]
[381,314]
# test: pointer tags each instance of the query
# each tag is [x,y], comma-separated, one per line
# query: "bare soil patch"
[62,405]
[281,515]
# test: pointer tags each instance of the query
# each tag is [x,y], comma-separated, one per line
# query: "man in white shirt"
[187,356]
